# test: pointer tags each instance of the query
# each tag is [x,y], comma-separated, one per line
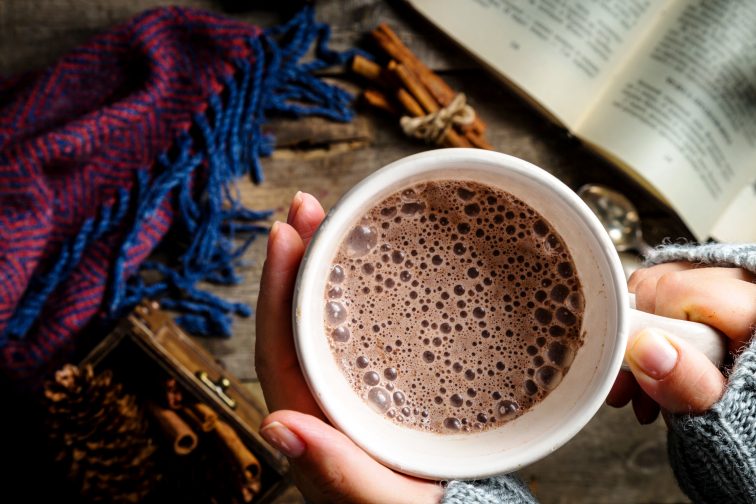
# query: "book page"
[683,113]
[738,223]
[559,52]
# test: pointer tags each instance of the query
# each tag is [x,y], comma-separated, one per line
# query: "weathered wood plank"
[34,32]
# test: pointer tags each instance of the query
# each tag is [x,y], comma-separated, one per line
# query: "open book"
[665,89]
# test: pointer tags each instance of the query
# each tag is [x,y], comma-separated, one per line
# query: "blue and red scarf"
[137,133]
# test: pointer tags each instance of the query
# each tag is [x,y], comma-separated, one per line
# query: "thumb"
[329,467]
[673,373]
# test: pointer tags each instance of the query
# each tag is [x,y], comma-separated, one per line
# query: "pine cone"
[100,435]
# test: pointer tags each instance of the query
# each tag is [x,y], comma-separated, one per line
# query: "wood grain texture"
[613,460]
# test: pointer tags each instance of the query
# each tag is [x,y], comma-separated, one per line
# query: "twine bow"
[433,127]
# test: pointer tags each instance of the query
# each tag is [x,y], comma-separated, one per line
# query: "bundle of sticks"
[184,422]
[406,87]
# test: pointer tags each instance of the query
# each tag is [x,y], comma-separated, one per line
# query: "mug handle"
[703,337]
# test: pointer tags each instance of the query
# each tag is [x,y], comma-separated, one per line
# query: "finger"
[275,356]
[305,215]
[329,467]
[645,285]
[674,374]
[623,390]
[654,272]
[719,298]
[646,409]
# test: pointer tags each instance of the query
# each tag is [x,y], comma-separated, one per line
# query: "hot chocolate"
[453,306]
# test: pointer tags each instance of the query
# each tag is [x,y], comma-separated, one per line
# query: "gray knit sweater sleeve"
[714,455]
[506,489]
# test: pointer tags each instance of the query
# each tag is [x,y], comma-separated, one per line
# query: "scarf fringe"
[208,216]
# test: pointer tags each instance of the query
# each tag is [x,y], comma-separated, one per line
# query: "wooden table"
[613,460]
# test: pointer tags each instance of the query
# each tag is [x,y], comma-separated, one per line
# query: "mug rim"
[441,157]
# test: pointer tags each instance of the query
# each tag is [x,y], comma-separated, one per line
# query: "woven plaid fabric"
[138,132]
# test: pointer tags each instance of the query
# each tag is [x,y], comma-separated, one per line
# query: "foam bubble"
[452,423]
[559,292]
[371,378]
[388,212]
[565,269]
[379,399]
[560,354]
[399,398]
[543,316]
[548,377]
[361,240]
[565,316]
[335,312]
[507,409]
[472,209]
[465,194]
[576,302]
[340,334]
[337,274]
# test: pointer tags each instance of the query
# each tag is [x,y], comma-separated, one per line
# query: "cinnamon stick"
[369,70]
[409,103]
[413,86]
[441,92]
[378,100]
[182,437]
[207,417]
[246,461]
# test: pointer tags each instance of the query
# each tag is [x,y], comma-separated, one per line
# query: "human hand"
[327,466]
[667,372]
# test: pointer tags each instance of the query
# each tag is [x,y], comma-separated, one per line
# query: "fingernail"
[282,439]
[274,230]
[653,354]
[296,203]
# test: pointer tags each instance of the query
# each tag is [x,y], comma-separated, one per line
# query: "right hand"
[668,373]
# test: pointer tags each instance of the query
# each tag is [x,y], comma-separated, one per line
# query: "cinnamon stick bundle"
[245,475]
[390,42]
[421,93]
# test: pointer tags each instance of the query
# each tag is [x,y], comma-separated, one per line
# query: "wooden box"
[148,343]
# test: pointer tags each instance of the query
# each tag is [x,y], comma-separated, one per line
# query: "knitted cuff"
[714,455]
[712,254]
[506,489]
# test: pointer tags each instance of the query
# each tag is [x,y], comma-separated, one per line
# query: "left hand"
[327,466]
[667,372]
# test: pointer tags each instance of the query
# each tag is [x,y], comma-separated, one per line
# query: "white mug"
[608,319]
